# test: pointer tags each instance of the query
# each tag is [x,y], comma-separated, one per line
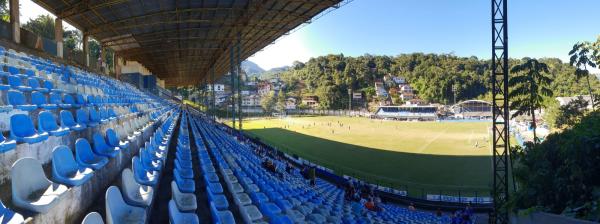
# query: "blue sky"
[537,28]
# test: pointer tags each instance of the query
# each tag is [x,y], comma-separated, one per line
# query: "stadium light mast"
[500,111]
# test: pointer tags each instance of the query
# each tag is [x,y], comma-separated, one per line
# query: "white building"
[251,100]
[218,87]
[290,103]
[566,100]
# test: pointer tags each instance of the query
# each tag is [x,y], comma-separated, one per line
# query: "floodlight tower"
[500,111]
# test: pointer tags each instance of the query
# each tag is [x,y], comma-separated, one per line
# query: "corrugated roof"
[180,41]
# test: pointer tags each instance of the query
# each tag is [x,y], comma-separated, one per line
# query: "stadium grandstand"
[409,113]
[472,109]
[79,146]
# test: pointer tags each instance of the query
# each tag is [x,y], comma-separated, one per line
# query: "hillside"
[251,68]
[432,76]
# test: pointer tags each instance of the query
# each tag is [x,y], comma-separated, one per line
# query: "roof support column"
[232,73]
[15,23]
[117,64]
[102,61]
[86,50]
[239,76]
[214,101]
[58,36]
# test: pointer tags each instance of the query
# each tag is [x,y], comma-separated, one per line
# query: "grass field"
[424,157]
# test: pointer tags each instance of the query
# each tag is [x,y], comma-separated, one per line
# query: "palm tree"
[581,57]
[529,85]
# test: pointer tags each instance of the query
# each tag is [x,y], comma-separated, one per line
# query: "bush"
[562,174]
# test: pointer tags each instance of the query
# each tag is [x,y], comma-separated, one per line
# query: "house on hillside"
[399,80]
[406,92]
[290,103]
[310,101]
[264,88]
[416,102]
[380,89]
[250,100]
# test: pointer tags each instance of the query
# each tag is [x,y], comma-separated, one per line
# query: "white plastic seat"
[93,218]
[31,189]
[186,202]
[177,217]
[117,211]
[135,194]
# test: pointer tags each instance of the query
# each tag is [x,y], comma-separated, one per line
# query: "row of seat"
[182,206]
[291,198]
[22,129]
[131,203]
[18,100]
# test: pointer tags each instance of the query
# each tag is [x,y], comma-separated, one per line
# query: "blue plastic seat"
[22,130]
[94,116]
[48,85]
[55,98]
[219,200]
[101,148]
[211,178]
[215,188]
[80,100]
[38,99]
[259,197]
[141,175]
[13,70]
[83,117]
[270,209]
[148,162]
[15,83]
[6,144]
[67,120]
[103,115]
[113,140]
[35,84]
[66,170]
[68,99]
[47,123]
[86,157]
[17,100]
[8,216]
[221,217]
[185,185]
[184,172]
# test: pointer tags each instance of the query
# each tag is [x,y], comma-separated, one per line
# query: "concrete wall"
[133,67]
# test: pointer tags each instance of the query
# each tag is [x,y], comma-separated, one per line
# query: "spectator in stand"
[411,207]
[438,213]
[370,205]
[313,176]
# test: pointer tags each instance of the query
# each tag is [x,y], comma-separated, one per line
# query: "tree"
[281,101]
[571,113]
[43,25]
[267,102]
[529,85]
[4,11]
[583,56]
[562,174]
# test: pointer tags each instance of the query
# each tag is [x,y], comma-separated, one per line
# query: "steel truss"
[500,111]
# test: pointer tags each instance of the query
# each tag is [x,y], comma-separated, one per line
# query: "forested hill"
[431,75]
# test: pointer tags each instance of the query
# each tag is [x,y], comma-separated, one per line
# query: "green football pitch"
[421,157]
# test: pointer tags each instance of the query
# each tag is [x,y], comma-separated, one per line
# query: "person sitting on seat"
[411,207]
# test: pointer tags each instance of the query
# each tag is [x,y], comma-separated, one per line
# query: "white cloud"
[284,51]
